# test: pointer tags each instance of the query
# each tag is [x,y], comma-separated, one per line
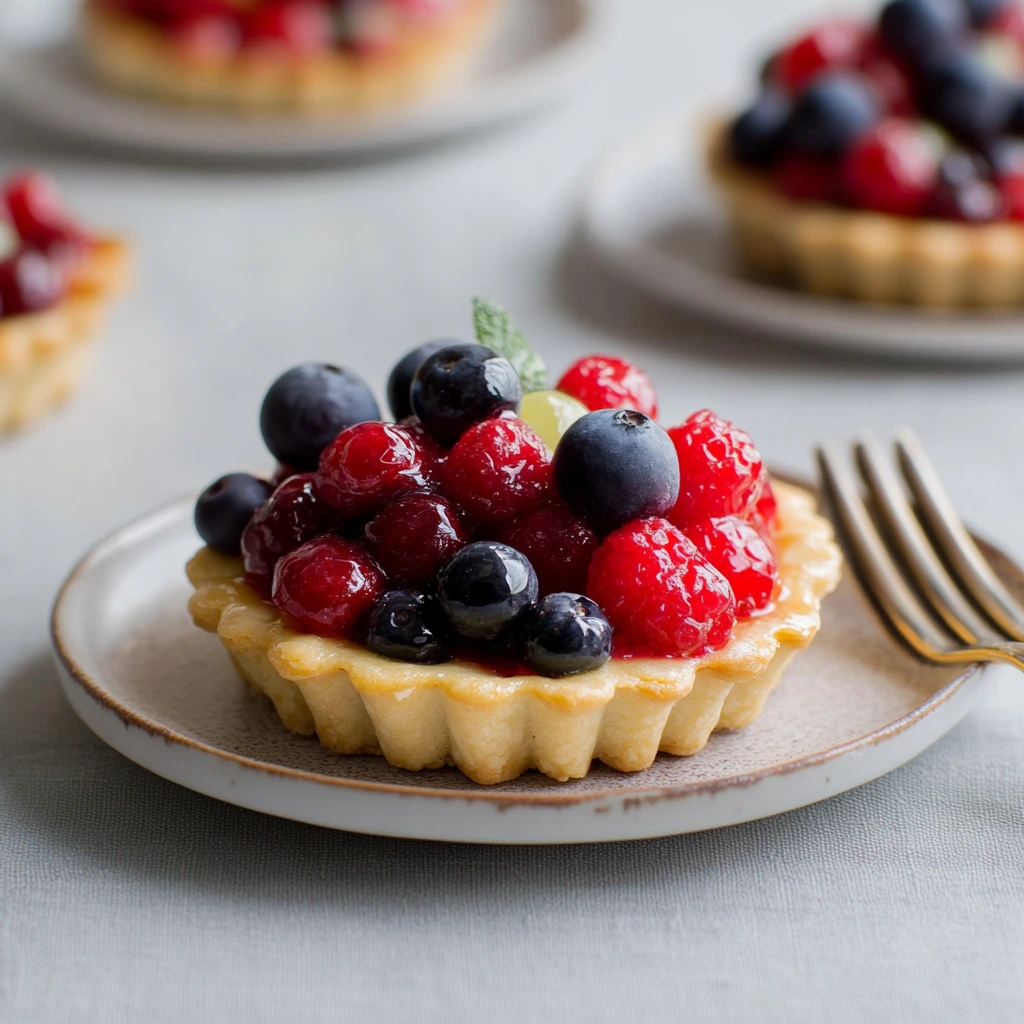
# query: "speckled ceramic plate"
[163,693]
[541,51]
[649,215]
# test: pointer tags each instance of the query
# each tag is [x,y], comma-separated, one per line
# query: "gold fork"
[913,557]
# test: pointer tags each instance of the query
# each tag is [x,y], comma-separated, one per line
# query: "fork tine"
[932,578]
[897,605]
[953,540]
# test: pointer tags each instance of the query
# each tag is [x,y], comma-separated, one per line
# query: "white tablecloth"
[124,898]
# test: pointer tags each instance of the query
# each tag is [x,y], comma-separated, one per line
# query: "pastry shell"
[132,56]
[493,728]
[869,257]
[43,355]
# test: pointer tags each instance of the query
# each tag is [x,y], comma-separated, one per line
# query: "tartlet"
[444,591]
[883,163]
[54,295]
[211,59]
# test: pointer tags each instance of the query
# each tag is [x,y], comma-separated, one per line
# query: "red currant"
[368,463]
[805,179]
[327,587]
[414,534]
[891,169]
[735,548]
[603,382]
[558,543]
[829,47]
[294,514]
[659,592]
[721,473]
[499,468]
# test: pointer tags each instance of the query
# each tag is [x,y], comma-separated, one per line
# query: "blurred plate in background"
[541,50]
[651,218]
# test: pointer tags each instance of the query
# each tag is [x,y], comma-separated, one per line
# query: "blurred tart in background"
[883,160]
[259,56]
[56,281]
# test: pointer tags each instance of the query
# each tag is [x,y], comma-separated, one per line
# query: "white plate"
[540,51]
[163,693]
[649,214]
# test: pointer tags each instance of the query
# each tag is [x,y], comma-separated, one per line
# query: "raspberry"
[557,542]
[833,46]
[1008,22]
[414,534]
[720,470]
[807,179]
[499,468]
[659,591]
[368,463]
[1011,191]
[29,282]
[207,36]
[891,169]
[764,514]
[889,77]
[327,587]
[735,548]
[290,26]
[603,382]
[294,514]
[39,216]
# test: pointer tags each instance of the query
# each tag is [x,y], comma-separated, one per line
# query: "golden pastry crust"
[870,257]
[42,355]
[132,56]
[494,728]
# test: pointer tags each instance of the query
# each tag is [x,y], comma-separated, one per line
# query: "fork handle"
[1010,653]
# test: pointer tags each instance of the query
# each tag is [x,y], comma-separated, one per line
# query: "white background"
[125,898]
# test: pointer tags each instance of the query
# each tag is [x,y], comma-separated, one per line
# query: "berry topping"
[368,463]
[327,587]
[889,77]
[921,30]
[210,37]
[224,509]
[290,27]
[485,589]
[963,192]
[735,548]
[834,111]
[891,169]
[967,99]
[401,377]
[294,514]
[498,469]
[461,385]
[756,136]
[982,12]
[551,414]
[414,534]
[720,469]
[765,510]
[603,382]
[807,179]
[40,218]
[616,465]
[558,543]
[410,627]
[307,407]
[659,592]
[833,46]
[29,282]
[566,634]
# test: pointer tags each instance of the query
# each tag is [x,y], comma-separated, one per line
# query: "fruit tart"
[883,160]
[340,56]
[506,576]
[56,280]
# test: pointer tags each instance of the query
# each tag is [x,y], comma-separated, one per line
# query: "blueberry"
[833,112]
[566,634]
[485,588]
[401,377]
[1015,124]
[755,136]
[967,99]
[461,385]
[981,12]
[307,407]
[408,626]
[224,509]
[922,30]
[615,465]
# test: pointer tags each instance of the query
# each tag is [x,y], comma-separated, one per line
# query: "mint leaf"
[495,329]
